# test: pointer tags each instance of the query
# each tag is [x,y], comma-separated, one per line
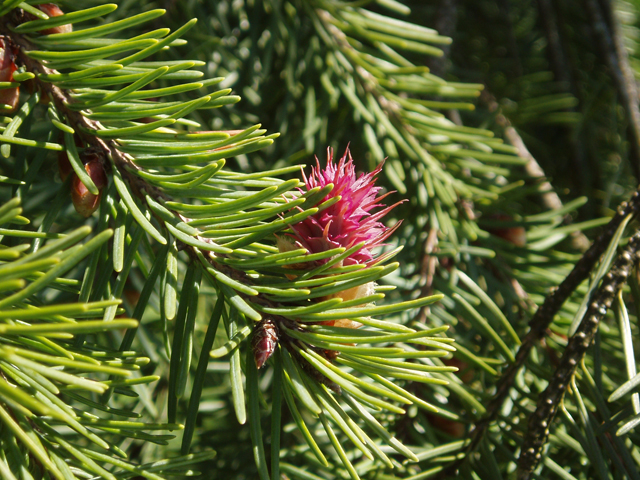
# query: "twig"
[617,59]
[549,197]
[122,161]
[547,311]
[78,122]
[125,165]
[427,270]
[549,400]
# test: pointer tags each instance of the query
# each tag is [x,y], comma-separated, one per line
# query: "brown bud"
[53,10]
[465,372]
[7,63]
[332,354]
[264,342]
[450,427]
[516,235]
[8,96]
[131,295]
[84,201]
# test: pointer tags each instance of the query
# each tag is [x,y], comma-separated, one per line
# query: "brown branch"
[545,314]
[124,163]
[126,166]
[427,270]
[77,121]
[107,148]
[549,400]
[549,198]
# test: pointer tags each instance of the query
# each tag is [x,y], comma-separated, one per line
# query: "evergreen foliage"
[178,300]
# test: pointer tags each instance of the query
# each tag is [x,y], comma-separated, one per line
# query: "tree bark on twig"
[550,198]
[545,315]
[550,400]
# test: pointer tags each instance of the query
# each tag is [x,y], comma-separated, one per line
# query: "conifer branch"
[548,196]
[546,313]
[79,122]
[549,401]
[484,231]
[257,282]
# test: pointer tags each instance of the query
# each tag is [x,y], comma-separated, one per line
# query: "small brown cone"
[53,10]
[8,96]
[516,235]
[84,201]
[264,342]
